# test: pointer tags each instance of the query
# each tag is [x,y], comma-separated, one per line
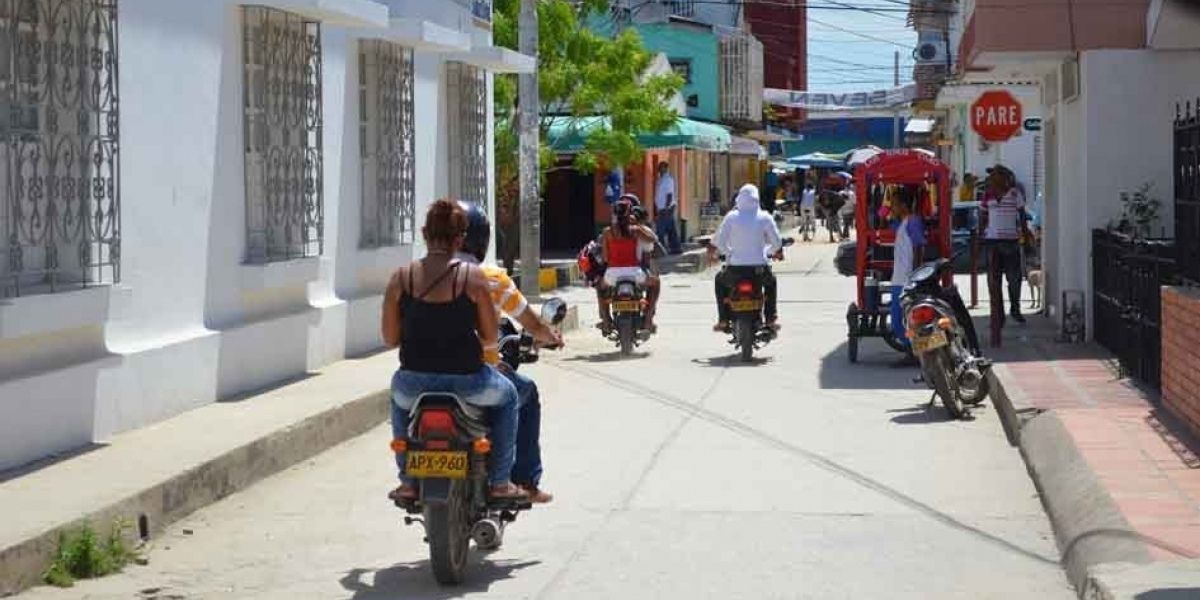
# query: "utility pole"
[528,106]
[896,115]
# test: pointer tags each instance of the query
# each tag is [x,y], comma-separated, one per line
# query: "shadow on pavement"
[873,371]
[1189,593]
[920,414]
[732,360]
[414,581]
[605,357]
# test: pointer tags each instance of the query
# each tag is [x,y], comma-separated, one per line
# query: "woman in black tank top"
[439,313]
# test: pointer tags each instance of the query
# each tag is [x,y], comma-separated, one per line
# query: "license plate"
[932,341]
[745,305]
[627,306]
[450,465]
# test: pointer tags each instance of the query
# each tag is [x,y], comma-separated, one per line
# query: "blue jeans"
[667,231]
[487,388]
[897,316]
[527,470]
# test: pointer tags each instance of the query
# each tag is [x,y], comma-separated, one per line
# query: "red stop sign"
[996,116]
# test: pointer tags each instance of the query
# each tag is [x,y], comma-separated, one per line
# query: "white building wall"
[1115,136]
[189,323]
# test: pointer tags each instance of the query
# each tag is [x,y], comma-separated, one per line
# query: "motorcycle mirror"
[554,311]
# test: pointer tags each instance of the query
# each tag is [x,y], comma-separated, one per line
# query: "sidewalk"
[153,476]
[1119,476]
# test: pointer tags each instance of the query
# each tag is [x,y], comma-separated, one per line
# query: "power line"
[855,33]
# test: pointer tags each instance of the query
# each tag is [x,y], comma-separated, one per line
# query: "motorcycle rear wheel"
[449,530]
[745,336]
[941,376]
[625,335]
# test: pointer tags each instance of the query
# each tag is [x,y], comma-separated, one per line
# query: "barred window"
[385,100]
[59,183]
[467,102]
[281,57]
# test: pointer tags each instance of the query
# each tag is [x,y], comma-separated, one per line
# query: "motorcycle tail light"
[922,315]
[745,287]
[438,422]
[399,446]
[481,445]
[944,323]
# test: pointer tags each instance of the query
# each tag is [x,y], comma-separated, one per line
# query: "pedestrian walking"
[808,212]
[1001,215]
[666,205]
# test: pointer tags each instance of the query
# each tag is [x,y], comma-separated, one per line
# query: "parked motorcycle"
[943,339]
[748,330]
[446,452]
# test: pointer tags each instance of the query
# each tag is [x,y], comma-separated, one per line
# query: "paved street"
[678,474]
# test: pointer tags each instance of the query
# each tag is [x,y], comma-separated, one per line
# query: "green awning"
[567,133]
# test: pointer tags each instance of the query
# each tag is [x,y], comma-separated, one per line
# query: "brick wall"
[1181,354]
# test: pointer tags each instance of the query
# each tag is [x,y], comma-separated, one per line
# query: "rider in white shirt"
[748,237]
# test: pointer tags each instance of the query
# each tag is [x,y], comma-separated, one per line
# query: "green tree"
[580,73]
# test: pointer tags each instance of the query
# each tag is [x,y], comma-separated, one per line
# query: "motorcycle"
[629,314]
[748,330]
[446,452]
[943,339]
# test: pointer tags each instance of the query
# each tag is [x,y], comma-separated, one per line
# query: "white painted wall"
[1115,136]
[189,323]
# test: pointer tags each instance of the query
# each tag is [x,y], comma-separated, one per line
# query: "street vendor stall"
[878,180]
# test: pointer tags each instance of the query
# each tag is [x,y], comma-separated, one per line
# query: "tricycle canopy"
[875,182]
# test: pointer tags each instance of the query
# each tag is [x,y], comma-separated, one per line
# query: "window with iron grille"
[386,143]
[281,56]
[59,179]
[467,102]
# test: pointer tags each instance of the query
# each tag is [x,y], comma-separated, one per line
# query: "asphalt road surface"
[679,473]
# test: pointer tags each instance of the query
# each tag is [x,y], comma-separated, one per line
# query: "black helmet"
[479,230]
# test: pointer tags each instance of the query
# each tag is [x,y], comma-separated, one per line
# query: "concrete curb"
[1089,528]
[1088,525]
[21,565]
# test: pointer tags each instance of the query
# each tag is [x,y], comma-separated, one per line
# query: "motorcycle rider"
[527,469]
[437,311]
[622,246]
[747,237]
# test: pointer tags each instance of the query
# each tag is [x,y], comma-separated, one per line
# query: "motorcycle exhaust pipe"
[970,381]
[487,533]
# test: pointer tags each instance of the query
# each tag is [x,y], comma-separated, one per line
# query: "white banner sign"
[868,100]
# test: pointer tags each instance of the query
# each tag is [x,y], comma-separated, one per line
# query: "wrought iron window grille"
[467,102]
[386,139]
[281,58]
[59,167]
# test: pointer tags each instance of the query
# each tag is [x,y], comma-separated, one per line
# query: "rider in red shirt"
[623,246]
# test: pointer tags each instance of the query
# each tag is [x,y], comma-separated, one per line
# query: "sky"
[841,58]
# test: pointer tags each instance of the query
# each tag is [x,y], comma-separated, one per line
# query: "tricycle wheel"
[852,347]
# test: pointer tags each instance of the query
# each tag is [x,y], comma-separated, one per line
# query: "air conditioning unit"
[931,49]
[1068,80]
